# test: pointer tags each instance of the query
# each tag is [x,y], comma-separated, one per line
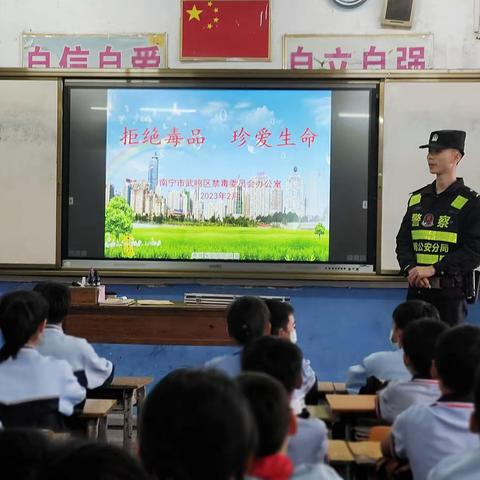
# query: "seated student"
[92,461]
[36,391]
[389,365]
[91,370]
[282,360]
[196,424]
[24,453]
[269,402]
[425,434]
[419,340]
[248,318]
[463,465]
[282,320]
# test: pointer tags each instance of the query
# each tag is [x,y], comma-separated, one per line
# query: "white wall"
[451,21]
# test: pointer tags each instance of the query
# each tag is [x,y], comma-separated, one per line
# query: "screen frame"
[235,268]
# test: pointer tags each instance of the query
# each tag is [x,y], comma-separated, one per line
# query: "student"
[282,320]
[91,370]
[418,340]
[464,465]
[196,424]
[389,365]
[282,360]
[248,318]
[270,406]
[425,434]
[93,461]
[36,390]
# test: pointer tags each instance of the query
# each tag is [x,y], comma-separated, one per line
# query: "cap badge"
[434,137]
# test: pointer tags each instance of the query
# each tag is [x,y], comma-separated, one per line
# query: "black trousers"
[450,302]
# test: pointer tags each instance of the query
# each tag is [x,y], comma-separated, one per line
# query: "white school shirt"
[31,376]
[309,378]
[383,365]
[78,353]
[426,434]
[461,466]
[310,444]
[398,396]
[229,364]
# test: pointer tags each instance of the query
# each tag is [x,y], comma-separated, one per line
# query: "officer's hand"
[417,274]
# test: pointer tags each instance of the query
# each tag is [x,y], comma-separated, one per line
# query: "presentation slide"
[218,174]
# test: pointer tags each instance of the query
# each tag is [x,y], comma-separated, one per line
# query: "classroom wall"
[451,21]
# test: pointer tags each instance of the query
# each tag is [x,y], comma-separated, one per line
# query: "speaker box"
[398,13]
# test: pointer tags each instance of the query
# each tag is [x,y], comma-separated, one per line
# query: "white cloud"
[251,149]
[257,118]
[322,110]
[242,105]
[213,108]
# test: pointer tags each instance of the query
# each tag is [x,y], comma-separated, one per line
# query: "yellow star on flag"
[210,4]
[209,26]
[194,13]
[215,10]
[215,20]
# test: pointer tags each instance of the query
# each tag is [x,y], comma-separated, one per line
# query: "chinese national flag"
[225,29]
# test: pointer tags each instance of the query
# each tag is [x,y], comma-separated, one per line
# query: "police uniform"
[426,434]
[462,466]
[91,370]
[36,390]
[396,397]
[383,365]
[442,230]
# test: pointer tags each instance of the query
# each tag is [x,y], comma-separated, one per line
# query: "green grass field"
[267,244]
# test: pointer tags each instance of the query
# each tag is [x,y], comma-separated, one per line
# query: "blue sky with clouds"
[218,113]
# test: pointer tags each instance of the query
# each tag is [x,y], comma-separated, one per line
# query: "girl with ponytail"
[35,391]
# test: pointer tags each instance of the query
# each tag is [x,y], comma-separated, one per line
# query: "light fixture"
[349,3]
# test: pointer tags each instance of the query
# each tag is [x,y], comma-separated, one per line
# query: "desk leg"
[92,428]
[102,428]
[127,419]
[141,392]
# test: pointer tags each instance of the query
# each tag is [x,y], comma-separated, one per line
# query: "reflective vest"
[434,234]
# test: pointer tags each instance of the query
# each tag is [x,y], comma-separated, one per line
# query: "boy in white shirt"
[91,370]
[464,465]
[388,365]
[426,434]
[419,339]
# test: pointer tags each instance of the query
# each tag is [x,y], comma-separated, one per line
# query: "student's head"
[269,402]
[419,340]
[24,453]
[196,424]
[58,299]
[409,311]
[93,461]
[277,357]
[247,319]
[282,319]
[22,319]
[456,359]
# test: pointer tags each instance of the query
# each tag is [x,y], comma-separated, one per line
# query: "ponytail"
[21,313]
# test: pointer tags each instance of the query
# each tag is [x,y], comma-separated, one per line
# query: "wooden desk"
[176,324]
[365,453]
[352,404]
[339,452]
[94,414]
[125,390]
[332,387]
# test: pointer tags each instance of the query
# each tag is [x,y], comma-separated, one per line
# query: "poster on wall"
[142,50]
[358,52]
[232,30]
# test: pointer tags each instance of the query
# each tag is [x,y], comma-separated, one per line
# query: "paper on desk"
[152,301]
[118,301]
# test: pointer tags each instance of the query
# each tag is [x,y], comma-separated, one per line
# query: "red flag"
[225,29]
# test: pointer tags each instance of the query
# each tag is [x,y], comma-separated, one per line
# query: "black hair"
[57,296]
[457,357]
[24,453]
[247,319]
[279,313]
[21,313]
[268,400]
[419,340]
[196,424]
[93,461]
[477,395]
[412,310]
[277,357]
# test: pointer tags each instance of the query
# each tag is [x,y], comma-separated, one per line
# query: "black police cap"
[447,139]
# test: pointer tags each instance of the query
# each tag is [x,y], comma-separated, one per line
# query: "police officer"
[438,244]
